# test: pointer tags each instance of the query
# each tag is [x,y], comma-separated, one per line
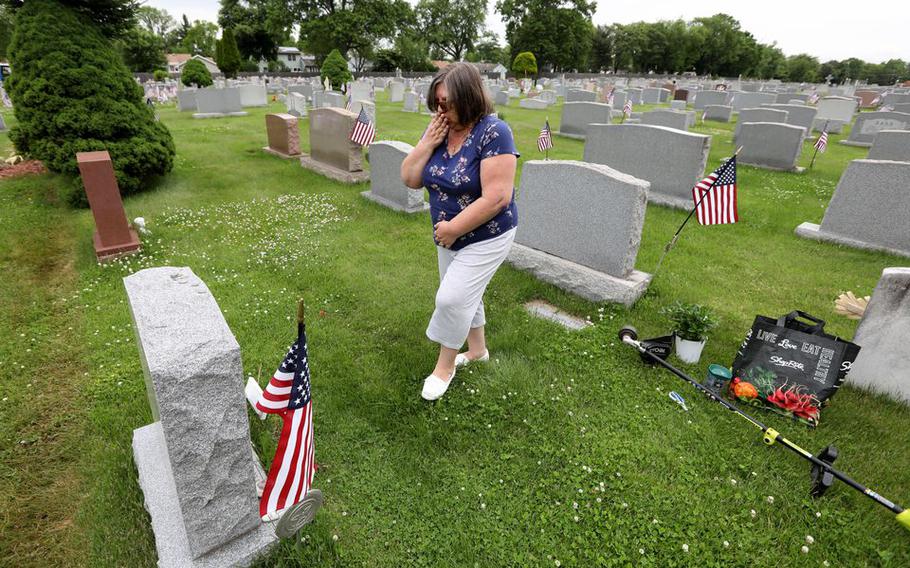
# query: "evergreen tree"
[195,74]
[335,67]
[230,56]
[525,64]
[72,93]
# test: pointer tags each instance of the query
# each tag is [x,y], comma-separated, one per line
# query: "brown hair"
[467,95]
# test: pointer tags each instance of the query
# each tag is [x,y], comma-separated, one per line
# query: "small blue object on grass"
[678,399]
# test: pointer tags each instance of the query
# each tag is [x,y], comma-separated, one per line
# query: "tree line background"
[386,35]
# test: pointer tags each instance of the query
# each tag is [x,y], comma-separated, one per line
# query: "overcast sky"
[828,30]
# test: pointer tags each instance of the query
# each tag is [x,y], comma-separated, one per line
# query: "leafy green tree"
[801,68]
[230,56]
[259,26]
[200,39]
[354,27]
[335,67]
[524,64]
[487,49]
[195,74]
[451,27]
[853,68]
[408,54]
[886,73]
[155,20]
[143,51]
[160,75]
[79,96]
[602,46]
[559,32]
[722,45]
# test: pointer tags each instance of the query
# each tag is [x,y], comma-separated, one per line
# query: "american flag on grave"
[350,102]
[544,139]
[627,108]
[822,143]
[363,132]
[715,196]
[288,395]
[610,95]
[813,98]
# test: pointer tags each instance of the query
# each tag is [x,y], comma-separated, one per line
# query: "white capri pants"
[463,278]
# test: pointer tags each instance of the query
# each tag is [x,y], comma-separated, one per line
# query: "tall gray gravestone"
[771,145]
[797,115]
[186,100]
[891,145]
[196,466]
[332,153]
[834,113]
[883,364]
[868,209]
[578,115]
[411,102]
[217,103]
[758,115]
[584,236]
[669,118]
[705,98]
[719,113]
[580,95]
[386,187]
[671,160]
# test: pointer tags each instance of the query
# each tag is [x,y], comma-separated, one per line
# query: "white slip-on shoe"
[434,387]
[462,358]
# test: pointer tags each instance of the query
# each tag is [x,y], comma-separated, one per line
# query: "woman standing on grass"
[466,160]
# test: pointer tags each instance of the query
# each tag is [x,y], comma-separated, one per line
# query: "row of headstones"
[214,102]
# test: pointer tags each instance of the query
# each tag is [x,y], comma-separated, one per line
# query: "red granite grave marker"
[113,236]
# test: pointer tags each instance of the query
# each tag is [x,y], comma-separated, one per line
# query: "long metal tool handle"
[770,436]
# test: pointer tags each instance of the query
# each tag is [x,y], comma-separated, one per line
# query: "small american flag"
[703,115]
[886,108]
[288,394]
[350,102]
[610,95]
[373,92]
[813,98]
[363,132]
[627,109]
[544,139]
[822,143]
[715,196]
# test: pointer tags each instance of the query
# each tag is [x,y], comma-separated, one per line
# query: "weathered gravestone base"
[883,364]
[868,209]
[332,153]
[283,135]
[196,466]
[113,235]
[585,237]
[386,187]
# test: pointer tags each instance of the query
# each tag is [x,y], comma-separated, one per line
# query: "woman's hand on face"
[437,130]
[443,233]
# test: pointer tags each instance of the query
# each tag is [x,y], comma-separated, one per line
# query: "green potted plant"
[691,324]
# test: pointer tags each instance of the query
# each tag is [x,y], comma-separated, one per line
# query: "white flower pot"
[688,351]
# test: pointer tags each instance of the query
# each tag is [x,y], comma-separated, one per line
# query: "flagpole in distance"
[812,163]
[675,238]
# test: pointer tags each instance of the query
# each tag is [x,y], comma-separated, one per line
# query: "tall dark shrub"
[72,93]
[230,62]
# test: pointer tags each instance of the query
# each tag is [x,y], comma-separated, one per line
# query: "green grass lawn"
[564,450]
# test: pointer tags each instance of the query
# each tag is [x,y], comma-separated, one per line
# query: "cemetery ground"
[565,450]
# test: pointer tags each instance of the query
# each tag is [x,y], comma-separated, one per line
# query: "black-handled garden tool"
[823,473]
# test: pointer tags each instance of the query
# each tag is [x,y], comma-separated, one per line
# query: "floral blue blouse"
[454,181]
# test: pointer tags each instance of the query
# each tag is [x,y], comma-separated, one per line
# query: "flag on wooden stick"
[544,139]
[363,132]
[715,196]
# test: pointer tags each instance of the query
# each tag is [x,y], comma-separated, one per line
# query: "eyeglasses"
[442,105]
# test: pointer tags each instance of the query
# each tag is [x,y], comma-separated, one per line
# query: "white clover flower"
[753,513]
[685,548]
[335,537]
[809,539]
[804,549]
[770,499]
[726,544]
[641,550]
